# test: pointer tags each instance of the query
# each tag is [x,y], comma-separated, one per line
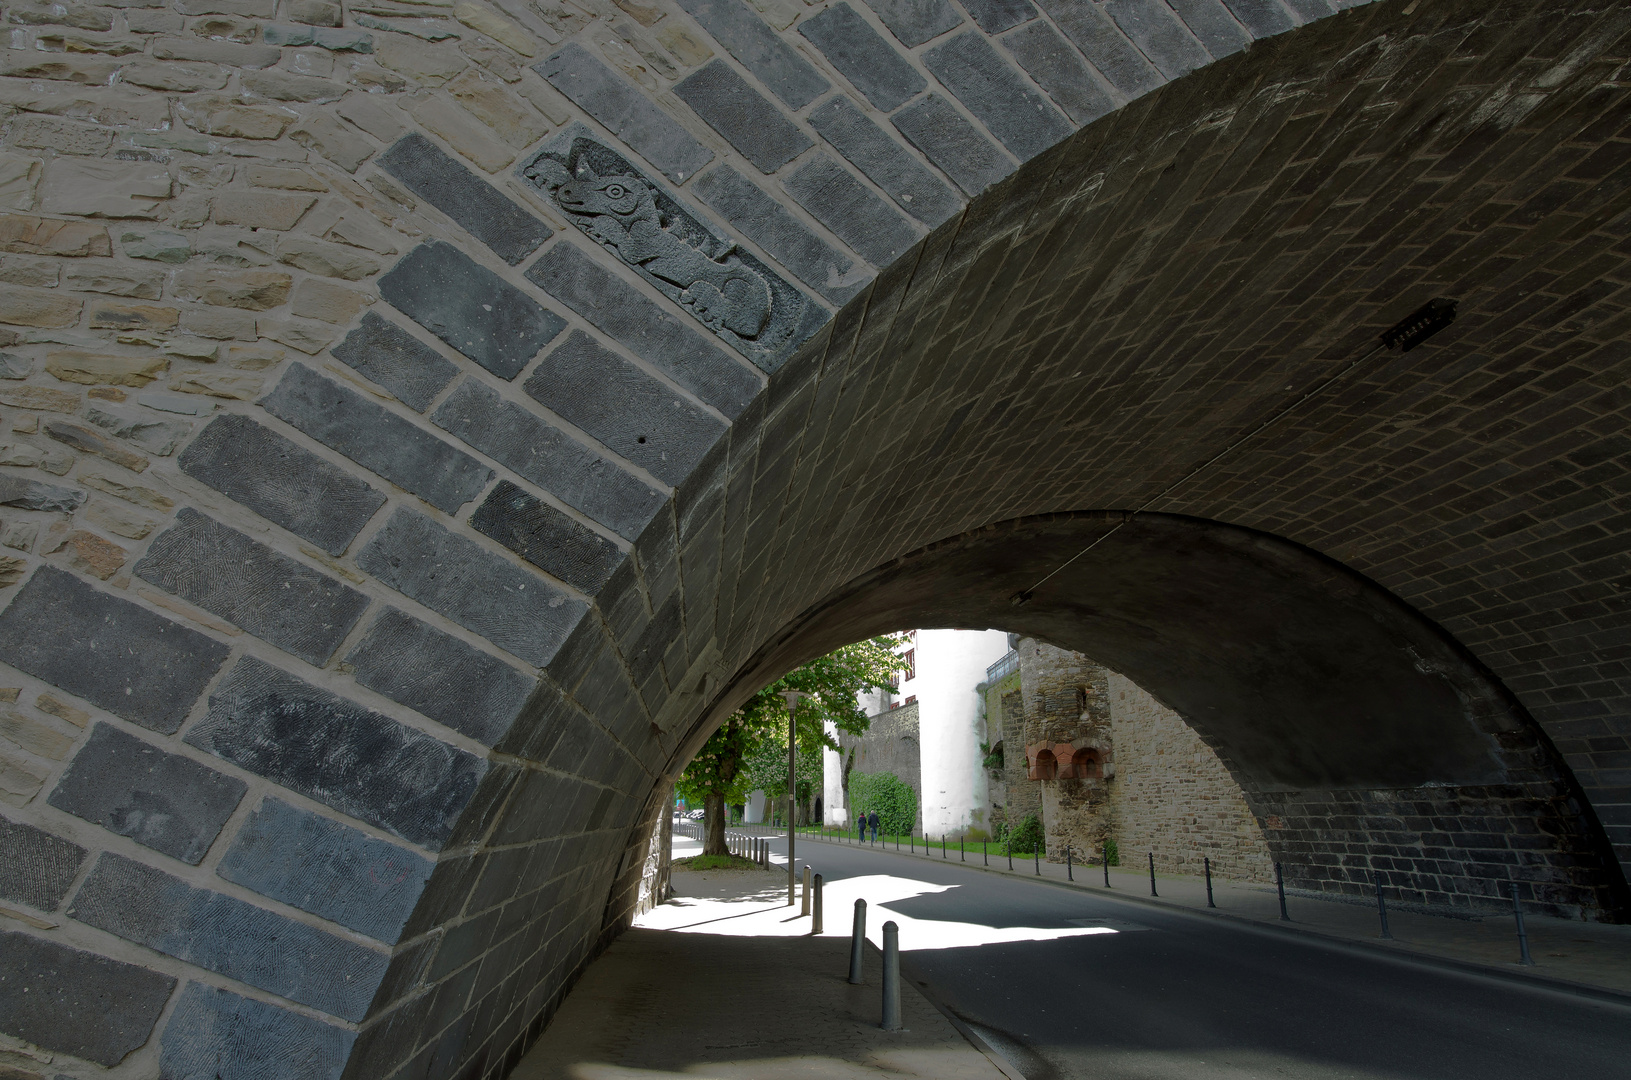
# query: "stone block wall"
[1173,797]
[890,746]
[417,419]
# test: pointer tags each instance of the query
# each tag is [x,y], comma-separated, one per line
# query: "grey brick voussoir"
[282,482]
[228,936]
[36,868]
[1022,119]
[850,209]
[788,240]
[546,537]
[1264,18]
[339,753]
[269,594]
[742,115]
[616,103]
[1218,31]
[432,672]
[1059,69]
[1159,35]
[972,161]
[759,49]
[384,352]
[863,57]
[884,161]
[483,592]
[109,651]
[574,473]
[995,16]
[916,21]
[484,213]
[1105,46]
[614,400]
[73,1002]
[377,439]
[214,1032]
[639,324]
[327,868]
[469,307]
[161,800]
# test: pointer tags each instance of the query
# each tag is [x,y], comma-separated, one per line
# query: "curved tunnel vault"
[765,342]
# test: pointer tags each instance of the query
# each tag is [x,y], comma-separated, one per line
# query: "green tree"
[742,756]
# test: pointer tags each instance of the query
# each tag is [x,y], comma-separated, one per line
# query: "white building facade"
[947,667]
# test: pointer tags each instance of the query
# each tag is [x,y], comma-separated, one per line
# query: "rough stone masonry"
[423,422]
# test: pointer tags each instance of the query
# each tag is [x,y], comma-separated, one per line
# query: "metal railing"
[1004,667]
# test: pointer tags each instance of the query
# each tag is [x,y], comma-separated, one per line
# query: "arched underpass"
[369,735]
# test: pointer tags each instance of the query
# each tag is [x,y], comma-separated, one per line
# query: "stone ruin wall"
[890,746]
[1172,796]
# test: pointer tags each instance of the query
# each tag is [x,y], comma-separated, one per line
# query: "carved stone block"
[732,293]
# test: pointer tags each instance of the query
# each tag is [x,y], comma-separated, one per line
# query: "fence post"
[1280,885]
[857,937]
[1523,938]
[1070,874]
[1152,875]
[805,910]
[1107,865]
[815,910]
[891,976]
[943,854]
[1209,902]
[1381,906]
[1008,846]
[1036,857]
[962,850]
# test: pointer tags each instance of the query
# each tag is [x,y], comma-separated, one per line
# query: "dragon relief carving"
[725,288]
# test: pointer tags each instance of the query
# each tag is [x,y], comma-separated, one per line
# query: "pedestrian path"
[1591,956]
[725,983]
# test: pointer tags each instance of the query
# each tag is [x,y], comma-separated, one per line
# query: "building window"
[911,699]
[910,656]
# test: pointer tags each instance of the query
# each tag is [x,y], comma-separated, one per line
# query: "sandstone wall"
[891,745]
[1172,796]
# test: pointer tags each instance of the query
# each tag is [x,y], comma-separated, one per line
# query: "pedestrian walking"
[872,820]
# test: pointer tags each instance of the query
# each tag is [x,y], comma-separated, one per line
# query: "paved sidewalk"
[1588,955]
[724,982]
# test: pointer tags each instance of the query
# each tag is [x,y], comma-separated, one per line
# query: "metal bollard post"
[985,851]
[962,850]
[1036,857]
[857,938]
[1069,873]
[1209,902]
[943,854]
[911,842]
[815,909]
[1280,884]
[1152,875]
[1381,906]
[1523,938]
[1008,845]
[805,910]
[1106,866]
[891,976]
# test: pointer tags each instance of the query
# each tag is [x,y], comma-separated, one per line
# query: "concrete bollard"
[804,909]
[857,939]
[891,976]
[815,908]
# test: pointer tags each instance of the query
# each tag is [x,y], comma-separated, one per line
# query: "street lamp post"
[792,697]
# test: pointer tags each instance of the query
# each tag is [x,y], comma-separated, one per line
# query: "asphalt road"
[1036,971]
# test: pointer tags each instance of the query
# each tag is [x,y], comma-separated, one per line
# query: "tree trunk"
[713,816]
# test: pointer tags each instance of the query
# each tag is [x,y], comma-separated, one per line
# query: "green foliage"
[993,758]
[895,802]
[1027,837]
[1111,854]
[743,754]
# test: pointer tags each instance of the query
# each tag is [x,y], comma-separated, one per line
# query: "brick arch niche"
[418,446]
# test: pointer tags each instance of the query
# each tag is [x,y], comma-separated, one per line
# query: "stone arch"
[468,506]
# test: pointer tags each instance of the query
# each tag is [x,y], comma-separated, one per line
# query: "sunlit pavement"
[744,993]
[1073,983]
